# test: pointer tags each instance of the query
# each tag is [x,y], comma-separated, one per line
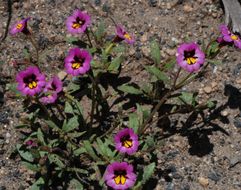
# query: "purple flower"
[78,22]
[123,35]
[20,26]
[229,37]
[30,81]
[77,62]
[120,175]
[49,98]
[190,57]
[31,143]
[52,88]
[126,141]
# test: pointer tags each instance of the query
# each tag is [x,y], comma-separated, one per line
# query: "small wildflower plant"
[104,145]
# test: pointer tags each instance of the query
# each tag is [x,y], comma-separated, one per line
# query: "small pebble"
[214,176]
[224,113]
[203,181]
[207,89]
[187,8]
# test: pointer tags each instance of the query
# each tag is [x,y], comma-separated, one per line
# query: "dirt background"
[206,157]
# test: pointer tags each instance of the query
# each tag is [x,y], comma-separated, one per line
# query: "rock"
[8,135]
[171,52]
[203,181]
[170,186]
[2,187]
[237,122]
[224,113]
[62,75]
[185,187]
[187,8]
[234,161]
[97,2]
[214,84]
[145,51]
[214,176]
[144,38]
[207,89]
[153,3]
[4,117]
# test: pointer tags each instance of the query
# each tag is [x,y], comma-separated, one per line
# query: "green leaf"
[72,87]
[54,158]
[134,122]
[187,98]
[79,151]
[100,32]
[213,49]
[147,88]
[129,89]
[76,185]
[157,73]
[101,149]
[30,166]
[155,52]
[71,39]
[38,185]
[170,64]
[76,134]
[119,49]
[51,124]
[68,108]
[211,104]
[26,54]
[72,124]
[90,150]
[115,64]
[40,136]
[25,154]
[148,171]
[22,126]
[13,88]
[215,62]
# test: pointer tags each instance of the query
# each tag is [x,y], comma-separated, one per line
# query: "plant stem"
[176,77]
[88,36]
[180,84]
[157,107]
[93,99]
[109,48]
[44,108]
[61,112]
[35,46]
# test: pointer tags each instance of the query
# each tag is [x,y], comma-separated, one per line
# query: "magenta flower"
[190,57]
[20,26]
[52,88]
[31,143]
[77,62]
[126,141]
[30,81]
[49,98]
[120,175]
[229,37]
[123,35]
[78,22]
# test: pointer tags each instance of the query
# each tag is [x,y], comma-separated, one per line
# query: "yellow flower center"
[127,36]
[19,26]
[120,179]
[76,65]
[32,84]
[127,143]
[234,37]
[191,60]
[76,25]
